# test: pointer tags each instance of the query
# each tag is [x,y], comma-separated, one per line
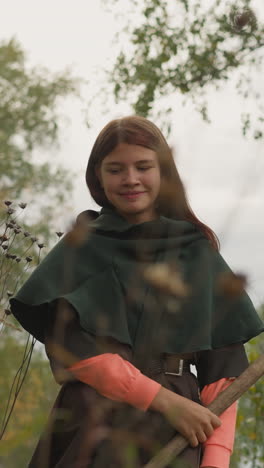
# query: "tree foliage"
[27,388]
[29,121]
[20,253]
[30,101]
[186,46]
[249,447]
[33,405]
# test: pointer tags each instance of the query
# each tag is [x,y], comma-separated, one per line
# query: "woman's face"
[130,177]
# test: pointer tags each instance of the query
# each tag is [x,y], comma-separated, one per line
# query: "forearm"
[117,379]
[218,448]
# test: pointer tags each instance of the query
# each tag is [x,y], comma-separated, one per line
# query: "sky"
[222,171]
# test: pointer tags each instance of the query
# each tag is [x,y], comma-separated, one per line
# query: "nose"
[130,177]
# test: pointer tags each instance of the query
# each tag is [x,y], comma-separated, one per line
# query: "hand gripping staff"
[225,399]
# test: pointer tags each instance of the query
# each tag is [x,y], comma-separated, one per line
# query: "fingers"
[212,423]
[193,441]
[208,430]
[216,422]
[195,422]
[200,436]
[196,435]
[204,433]
[204,430]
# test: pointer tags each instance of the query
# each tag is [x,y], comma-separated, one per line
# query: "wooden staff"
[225,399]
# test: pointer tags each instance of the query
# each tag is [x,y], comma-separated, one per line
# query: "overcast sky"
[223,172]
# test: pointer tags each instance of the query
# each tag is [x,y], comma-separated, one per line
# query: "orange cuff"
[216,456]
[117,379]
[142,392]
[225,434]
[218,448]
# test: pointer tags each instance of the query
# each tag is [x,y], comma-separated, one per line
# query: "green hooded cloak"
[102,277]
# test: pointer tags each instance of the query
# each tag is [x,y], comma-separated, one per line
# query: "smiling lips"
[131,195]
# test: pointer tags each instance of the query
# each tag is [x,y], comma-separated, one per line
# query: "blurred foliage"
[28,394]
[30,121]
[30,100]
[33,405]
[20,253]
[186,46]
[249,446]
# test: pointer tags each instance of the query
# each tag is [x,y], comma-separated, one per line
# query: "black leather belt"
[168,365]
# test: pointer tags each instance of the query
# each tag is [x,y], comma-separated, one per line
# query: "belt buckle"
[180,371]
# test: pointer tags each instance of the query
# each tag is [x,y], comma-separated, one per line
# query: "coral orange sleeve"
[218,448]
[117,379]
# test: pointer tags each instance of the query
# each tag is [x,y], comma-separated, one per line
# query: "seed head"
[10,211]
[11,256]
[22,205]
[166,279]
[8,202]
[78,234]
[240,20]
[231,284]
[29,259]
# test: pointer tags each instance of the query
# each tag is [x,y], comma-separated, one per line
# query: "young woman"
[125,303]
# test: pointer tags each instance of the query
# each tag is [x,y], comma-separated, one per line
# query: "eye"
[113,171]
[144,168]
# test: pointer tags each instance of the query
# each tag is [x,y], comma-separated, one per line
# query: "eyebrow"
[119,163]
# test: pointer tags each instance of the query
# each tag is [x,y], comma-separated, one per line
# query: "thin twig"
[8,324]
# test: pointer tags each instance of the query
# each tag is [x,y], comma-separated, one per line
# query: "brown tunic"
[86,429]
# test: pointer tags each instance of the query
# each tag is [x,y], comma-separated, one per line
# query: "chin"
[134,210]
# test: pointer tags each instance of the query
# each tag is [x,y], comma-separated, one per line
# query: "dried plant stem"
[7,324]
[18,382]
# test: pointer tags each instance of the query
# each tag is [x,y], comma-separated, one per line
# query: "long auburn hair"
[172,201]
